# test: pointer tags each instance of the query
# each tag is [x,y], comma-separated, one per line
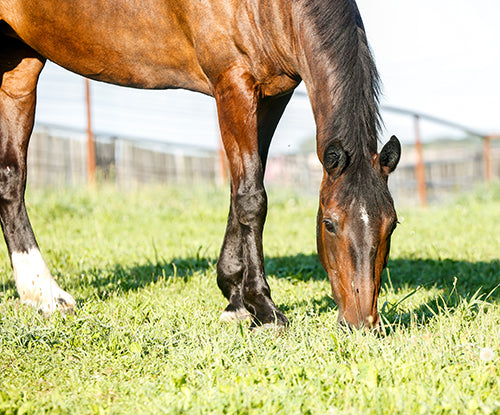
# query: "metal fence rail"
[59,158]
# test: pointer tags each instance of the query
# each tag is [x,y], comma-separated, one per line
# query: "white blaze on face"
[364,215]
[35,284]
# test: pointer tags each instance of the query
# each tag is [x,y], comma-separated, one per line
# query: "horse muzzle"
[358,305]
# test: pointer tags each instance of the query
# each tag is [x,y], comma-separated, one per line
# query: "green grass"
[146,336]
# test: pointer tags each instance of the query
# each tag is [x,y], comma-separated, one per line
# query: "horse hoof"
[268,327]
[48,304]
[37,287]
[234,316]
[273,326]
[61,301]
[278,322]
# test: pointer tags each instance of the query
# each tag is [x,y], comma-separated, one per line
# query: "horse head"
[355,222]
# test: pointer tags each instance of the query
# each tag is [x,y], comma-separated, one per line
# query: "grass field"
[146,336]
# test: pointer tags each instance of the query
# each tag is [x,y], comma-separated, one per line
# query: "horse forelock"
[361,185]
[340,43]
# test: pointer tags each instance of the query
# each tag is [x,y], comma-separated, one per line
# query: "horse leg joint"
[12,182]
[251,206]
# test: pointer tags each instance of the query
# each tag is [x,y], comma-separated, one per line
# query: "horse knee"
[12,182]
[251,206]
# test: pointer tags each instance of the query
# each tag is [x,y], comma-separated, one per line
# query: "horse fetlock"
[272,318]
[36,286]
[264,311]
[230,283]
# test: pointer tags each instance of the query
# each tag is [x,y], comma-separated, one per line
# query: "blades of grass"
[410,294]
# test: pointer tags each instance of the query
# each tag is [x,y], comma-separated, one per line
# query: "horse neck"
[266,32]
[340,75]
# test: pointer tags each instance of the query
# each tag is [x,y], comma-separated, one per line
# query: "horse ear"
[389,156]
[334,158]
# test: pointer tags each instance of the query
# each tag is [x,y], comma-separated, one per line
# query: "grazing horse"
[249,55]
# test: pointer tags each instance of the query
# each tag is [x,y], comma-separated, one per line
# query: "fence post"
[487,158]
[419,166]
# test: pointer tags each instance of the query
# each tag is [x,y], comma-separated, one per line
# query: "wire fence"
[58,157]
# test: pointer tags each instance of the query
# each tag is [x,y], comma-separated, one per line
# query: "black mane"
[340,37]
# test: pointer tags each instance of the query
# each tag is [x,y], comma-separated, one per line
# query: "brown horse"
[249,55]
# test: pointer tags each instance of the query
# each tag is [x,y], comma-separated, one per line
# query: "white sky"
[440,57]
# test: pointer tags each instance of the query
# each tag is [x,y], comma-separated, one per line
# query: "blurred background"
[439,63]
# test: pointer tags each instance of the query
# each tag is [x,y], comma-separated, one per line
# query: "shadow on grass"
[325,304]
[131,278]
[402,274]
[470,276]
[405,274]
[457,282]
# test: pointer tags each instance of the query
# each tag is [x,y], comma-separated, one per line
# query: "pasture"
[146,336]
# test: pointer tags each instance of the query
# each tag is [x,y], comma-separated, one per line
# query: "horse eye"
[330,226]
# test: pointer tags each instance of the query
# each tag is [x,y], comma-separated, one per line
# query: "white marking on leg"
[35,284]
[364,216]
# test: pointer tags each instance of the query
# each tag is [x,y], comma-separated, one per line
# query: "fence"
[447,170]
[59,158]
[458,167]
[422,169]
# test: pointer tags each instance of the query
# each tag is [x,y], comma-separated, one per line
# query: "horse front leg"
[230,269]
[19,70]
[240,268]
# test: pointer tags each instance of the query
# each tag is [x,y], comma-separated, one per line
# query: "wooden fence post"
[487,158]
